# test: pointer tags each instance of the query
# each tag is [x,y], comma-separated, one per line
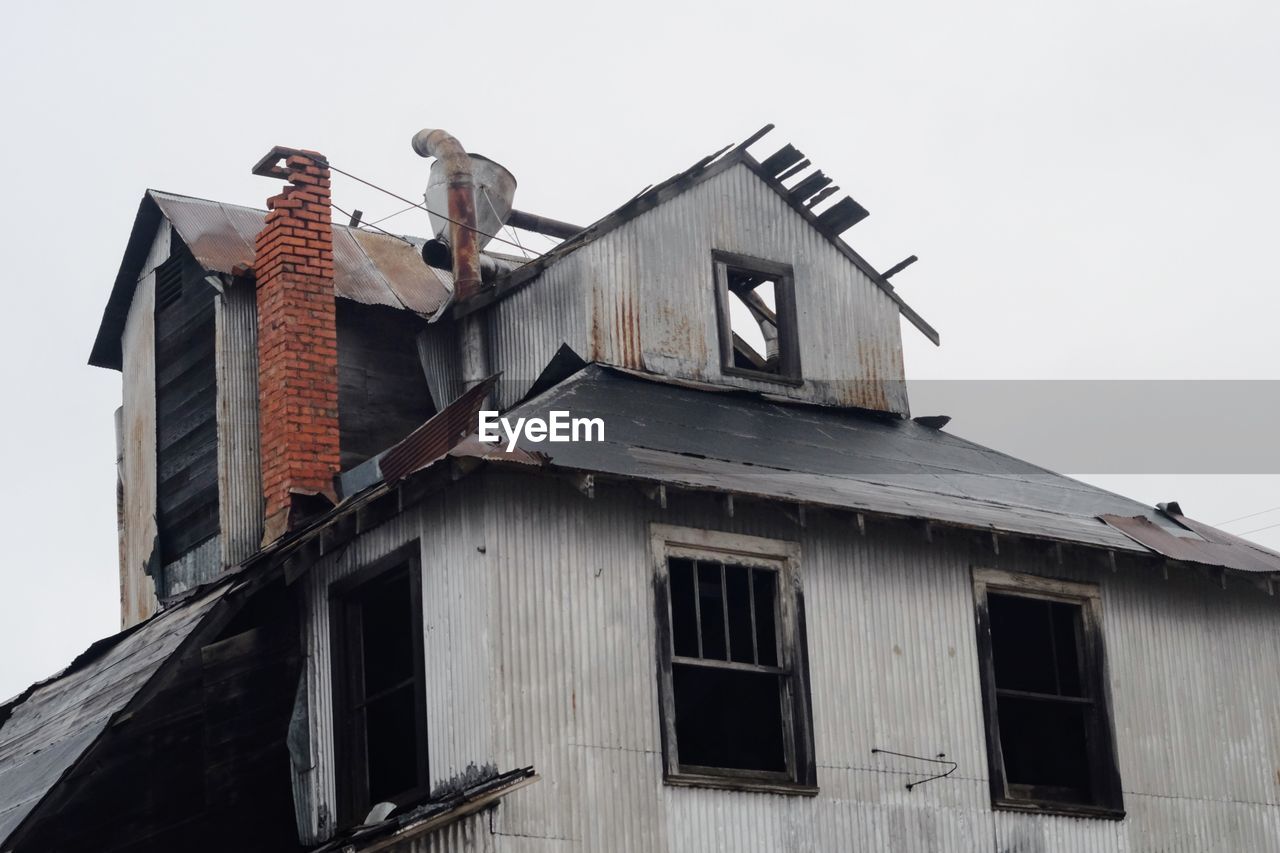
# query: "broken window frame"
[784,298]
[347,664]
[782,557]
[1104,773]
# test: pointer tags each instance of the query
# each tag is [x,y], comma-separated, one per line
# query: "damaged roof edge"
[702,171]
[433,814]
[36,741]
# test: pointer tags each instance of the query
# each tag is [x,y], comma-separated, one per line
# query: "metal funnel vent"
[495,187]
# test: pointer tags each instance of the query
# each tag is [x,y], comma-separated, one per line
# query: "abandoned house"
[769,611]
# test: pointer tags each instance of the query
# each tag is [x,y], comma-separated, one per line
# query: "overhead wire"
[410,201]
[1250,515]
[375,227]
[390,215]
[1258,529]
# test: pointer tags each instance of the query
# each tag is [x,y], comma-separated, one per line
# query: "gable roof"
[48,728]
[368,267]
[800,197]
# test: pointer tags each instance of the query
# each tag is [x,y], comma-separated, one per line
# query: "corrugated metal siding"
[527,328]
[469,835]
[649,290]
[438,352]
[239,474]
[138,377]
[542,652]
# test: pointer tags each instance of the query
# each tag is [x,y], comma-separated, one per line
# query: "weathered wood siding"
[186,406]
[382,391]
[138,436]
[539,639]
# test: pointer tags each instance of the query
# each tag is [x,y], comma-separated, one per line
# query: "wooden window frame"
[668,541]
[347,664]
[1100,732]
[784,295]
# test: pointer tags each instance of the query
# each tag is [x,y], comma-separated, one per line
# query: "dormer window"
[755,300]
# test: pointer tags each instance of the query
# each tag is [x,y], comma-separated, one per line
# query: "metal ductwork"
[474,193]
[468,199]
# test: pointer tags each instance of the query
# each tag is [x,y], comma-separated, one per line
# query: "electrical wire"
[390,215]
[375,227]
[1250,515]
[1258,529]
[424,207]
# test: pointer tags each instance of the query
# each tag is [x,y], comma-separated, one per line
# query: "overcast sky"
[1091,186]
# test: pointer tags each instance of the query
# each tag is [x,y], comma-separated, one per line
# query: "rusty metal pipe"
[473,344]
[463,240]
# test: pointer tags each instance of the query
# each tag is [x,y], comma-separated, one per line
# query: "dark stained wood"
[201,764]
[186,407]
[382,391]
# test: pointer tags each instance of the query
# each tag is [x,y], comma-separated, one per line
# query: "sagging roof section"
[369,268]
[664,433]
[1209,547]
[444,807]
[46,730]
[803,198]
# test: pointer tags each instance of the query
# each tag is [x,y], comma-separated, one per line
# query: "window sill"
[1058,809]
[740,783]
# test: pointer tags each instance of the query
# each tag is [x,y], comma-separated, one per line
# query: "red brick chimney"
[297,342]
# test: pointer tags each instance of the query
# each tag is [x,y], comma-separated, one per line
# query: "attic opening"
[756,303]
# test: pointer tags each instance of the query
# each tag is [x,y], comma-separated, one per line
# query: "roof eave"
[107,350]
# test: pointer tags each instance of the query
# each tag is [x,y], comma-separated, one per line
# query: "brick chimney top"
[297,342]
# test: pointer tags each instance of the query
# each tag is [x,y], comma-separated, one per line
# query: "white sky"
[1091,187]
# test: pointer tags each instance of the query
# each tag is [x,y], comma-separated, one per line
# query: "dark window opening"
[1049,731]
[380,706]
[733,709]
[756,301]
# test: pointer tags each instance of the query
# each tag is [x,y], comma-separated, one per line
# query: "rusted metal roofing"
[773,170]
[672,434]
[46,730]
[369,268]
[448,432]
[1206,546]
[437,436]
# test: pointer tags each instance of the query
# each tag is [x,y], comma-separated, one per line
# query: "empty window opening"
[736,705]
[753,319]
[379,692]
[757,317]
[1046,703]
[1035,649]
